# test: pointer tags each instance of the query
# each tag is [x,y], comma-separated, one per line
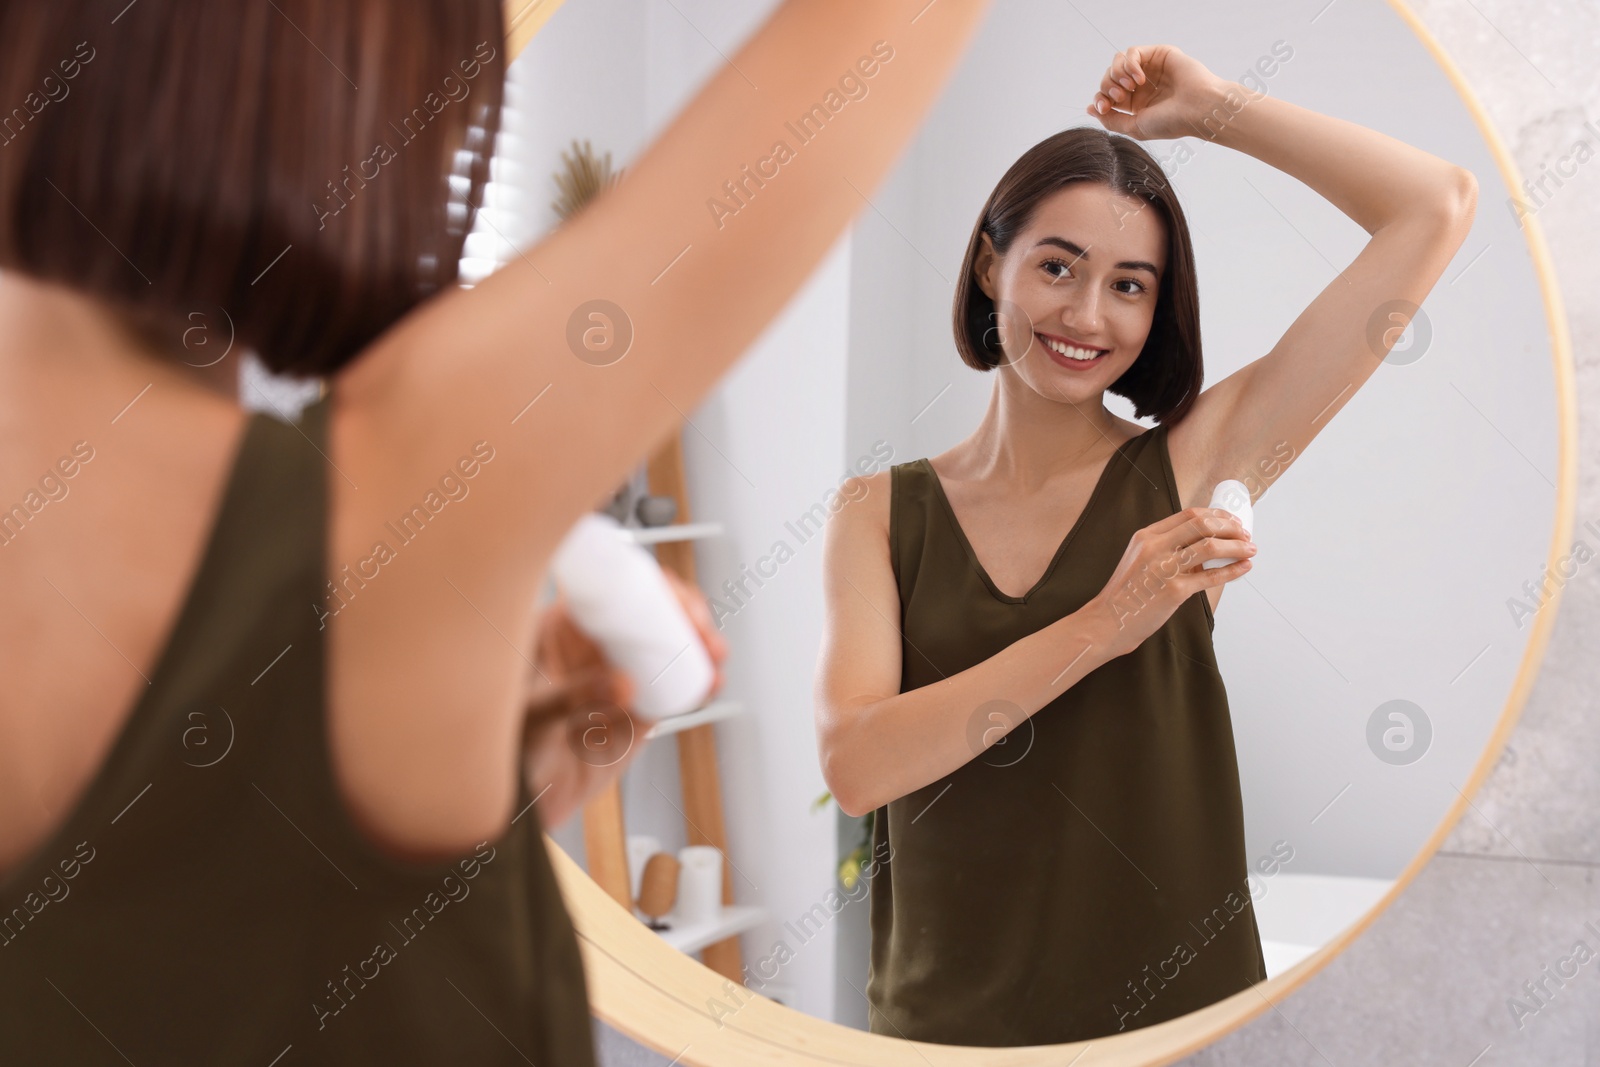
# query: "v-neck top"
[1087,873]
[210,900]
[937,488]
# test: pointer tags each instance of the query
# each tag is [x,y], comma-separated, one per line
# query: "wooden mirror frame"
[664,1000]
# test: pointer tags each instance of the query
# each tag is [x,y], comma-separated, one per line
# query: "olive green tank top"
[1086,874]
[210,901]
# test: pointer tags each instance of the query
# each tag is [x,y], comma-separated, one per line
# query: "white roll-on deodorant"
[1233,497]
[617,595]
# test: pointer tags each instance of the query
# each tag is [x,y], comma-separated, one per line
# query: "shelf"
[716,942]
[645,535]
[713,712]
[735,919]
[655,535]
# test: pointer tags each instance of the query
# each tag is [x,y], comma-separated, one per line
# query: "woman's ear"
[984,265]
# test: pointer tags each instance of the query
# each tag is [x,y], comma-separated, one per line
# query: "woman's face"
[1084,274]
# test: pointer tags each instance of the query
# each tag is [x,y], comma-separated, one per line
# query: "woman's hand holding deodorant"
[586,715]
[1233,497]
[1164,565]
[619,595]
[580,735]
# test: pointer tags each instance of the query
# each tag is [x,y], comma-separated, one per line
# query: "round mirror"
[1374,659]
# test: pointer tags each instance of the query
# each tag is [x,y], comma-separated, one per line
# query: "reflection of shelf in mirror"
[654,535]
[735,919]
[717,709]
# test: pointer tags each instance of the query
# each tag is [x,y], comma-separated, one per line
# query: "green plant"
[851,862]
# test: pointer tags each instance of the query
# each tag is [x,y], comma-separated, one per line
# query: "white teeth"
[1069,351]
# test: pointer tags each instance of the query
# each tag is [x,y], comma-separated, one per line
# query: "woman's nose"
[1084,321]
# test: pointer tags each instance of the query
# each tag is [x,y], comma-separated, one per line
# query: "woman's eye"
[1049,265]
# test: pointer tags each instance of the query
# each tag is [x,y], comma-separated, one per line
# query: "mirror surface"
[1372,649]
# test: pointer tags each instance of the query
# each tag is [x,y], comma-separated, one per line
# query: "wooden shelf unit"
[604,822]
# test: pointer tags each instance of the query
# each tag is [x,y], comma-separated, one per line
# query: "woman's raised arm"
[517,379]
[690,273]
[1417,208]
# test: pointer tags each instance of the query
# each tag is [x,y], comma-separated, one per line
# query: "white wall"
[765,447]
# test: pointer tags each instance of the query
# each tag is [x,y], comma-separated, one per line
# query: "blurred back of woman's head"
[307,170]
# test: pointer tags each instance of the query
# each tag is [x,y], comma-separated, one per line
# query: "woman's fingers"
[1196,535]
[1218,548]
[595,682]
[1222,575]
[699,612]
[1214,524]
[1180,519]
[1116,84]
[1121,73]
[1130,65]
[571,668]
[1196,554]
[603,683]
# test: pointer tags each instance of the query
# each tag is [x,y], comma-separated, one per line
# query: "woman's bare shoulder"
[864,502]
[857,529]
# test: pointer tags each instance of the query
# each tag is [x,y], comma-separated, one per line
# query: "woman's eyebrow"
[1127,264]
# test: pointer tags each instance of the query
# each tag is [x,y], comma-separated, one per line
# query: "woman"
[1044,737]
[264,720]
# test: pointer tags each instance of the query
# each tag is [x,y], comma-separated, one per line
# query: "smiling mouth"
[1074,353]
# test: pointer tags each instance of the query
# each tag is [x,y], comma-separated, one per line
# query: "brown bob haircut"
[1166,377]
[306,170]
